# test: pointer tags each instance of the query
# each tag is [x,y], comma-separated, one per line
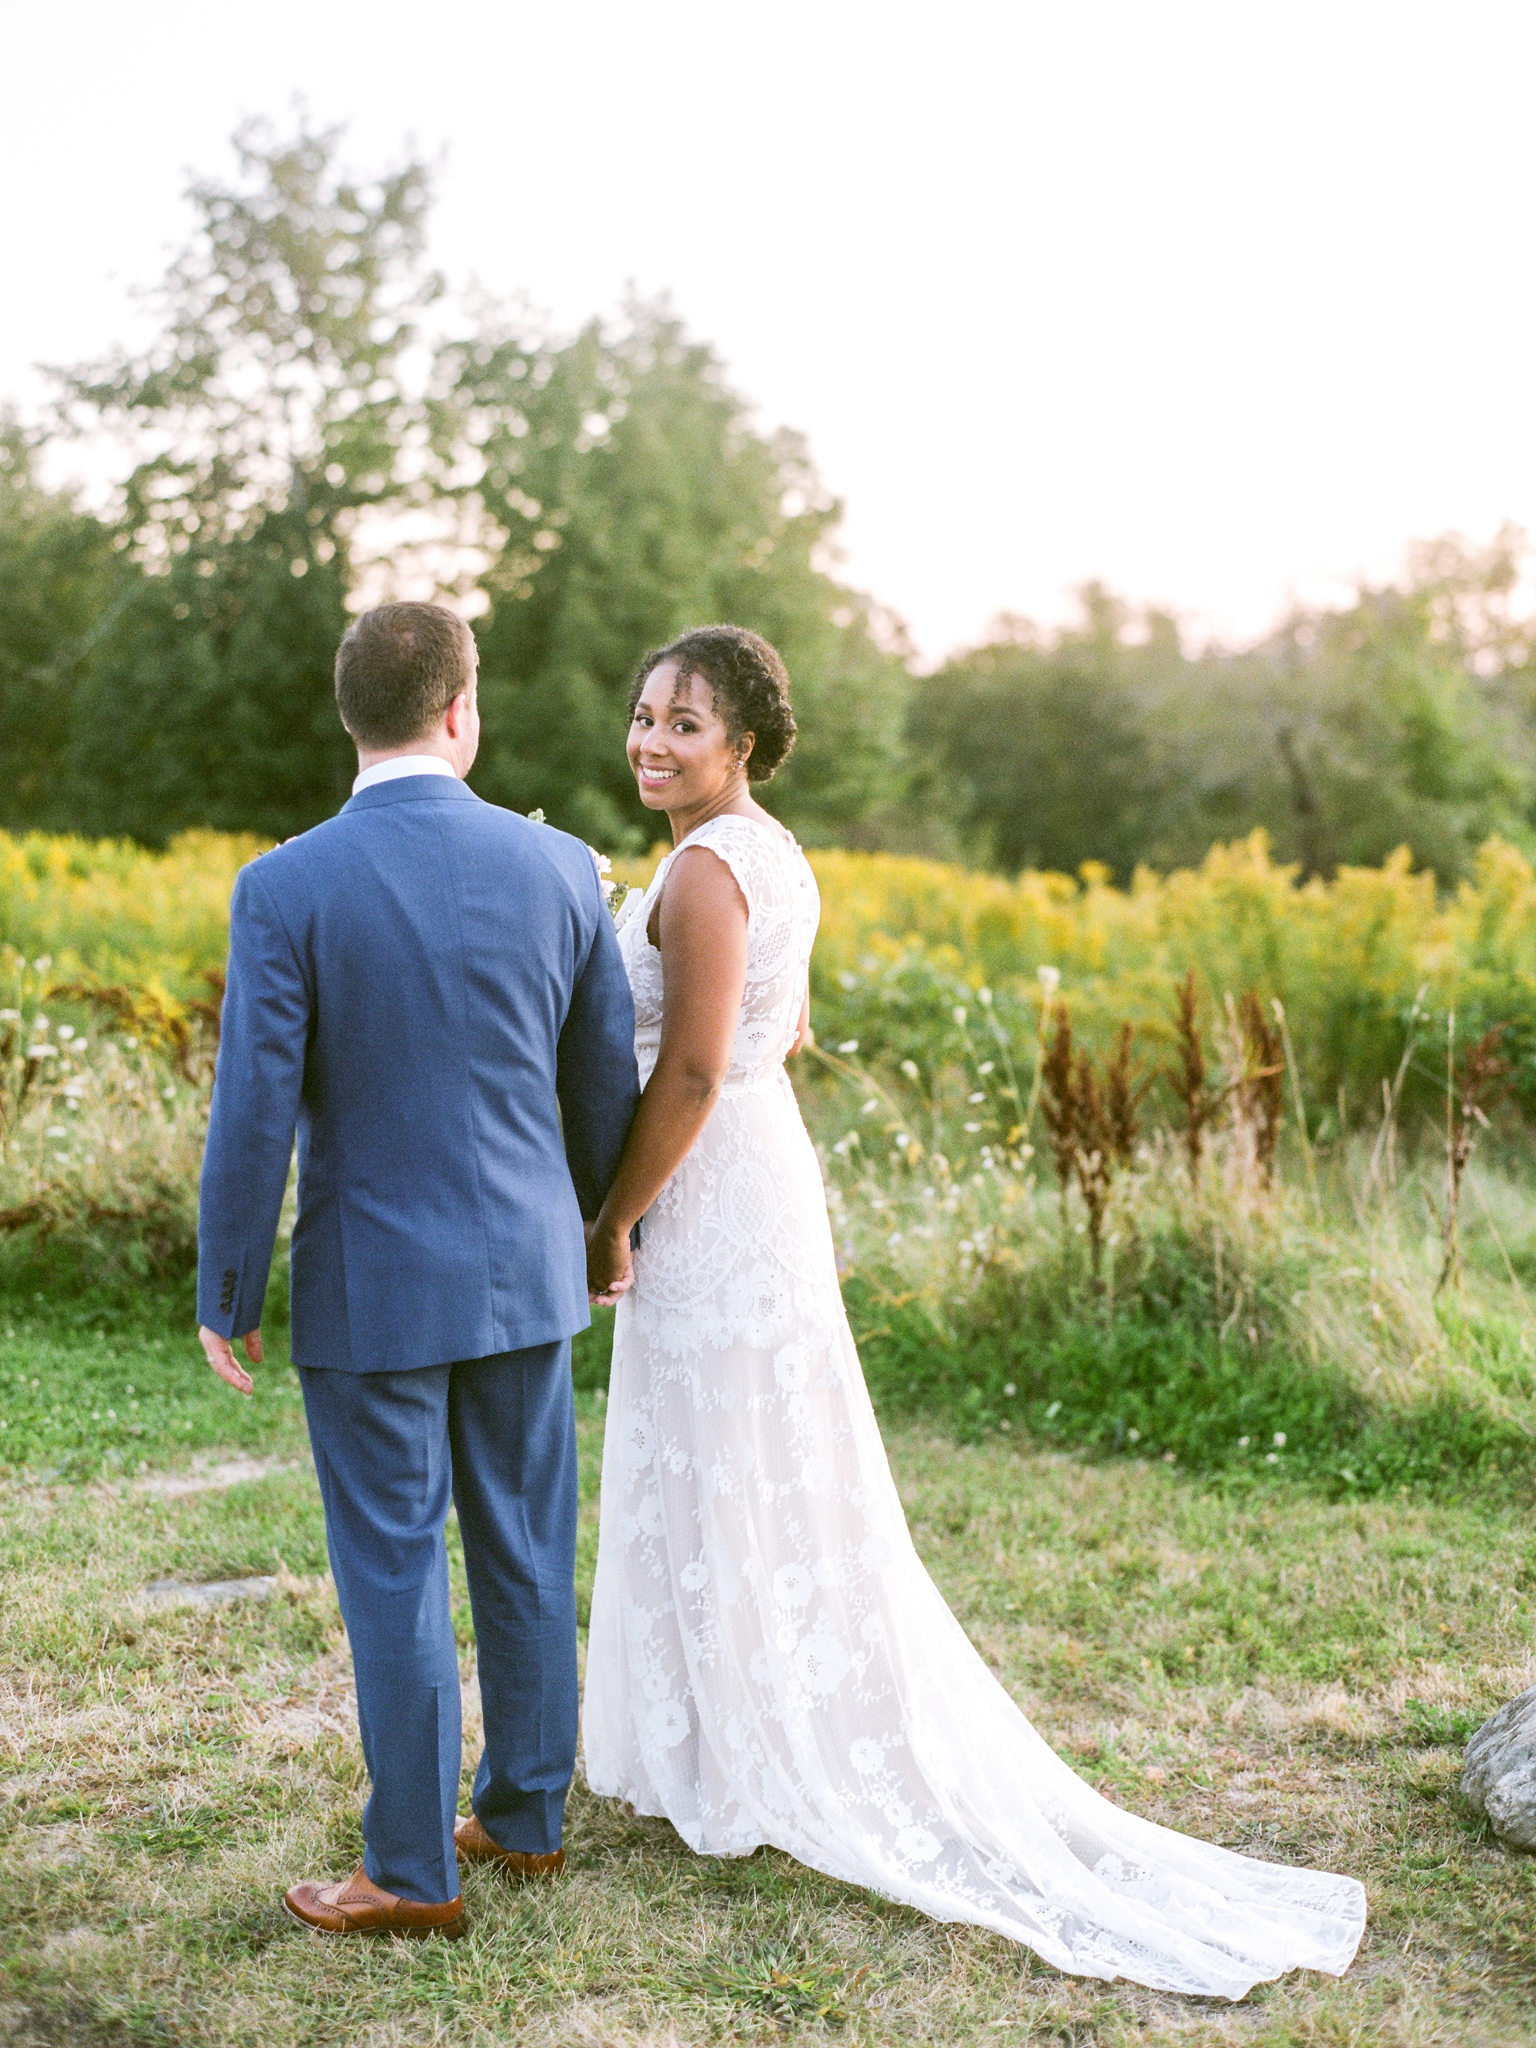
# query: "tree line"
[316,424]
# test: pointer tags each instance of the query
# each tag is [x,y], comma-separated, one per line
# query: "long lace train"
[769,1660]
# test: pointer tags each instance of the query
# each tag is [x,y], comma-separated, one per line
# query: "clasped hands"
[610,1264]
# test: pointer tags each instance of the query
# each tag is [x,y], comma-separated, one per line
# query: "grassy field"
[1231,1481]
[1284,1673]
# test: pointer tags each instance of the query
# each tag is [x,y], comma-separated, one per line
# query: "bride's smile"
[686,759]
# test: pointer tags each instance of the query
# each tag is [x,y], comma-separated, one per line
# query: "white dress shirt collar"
[402,764]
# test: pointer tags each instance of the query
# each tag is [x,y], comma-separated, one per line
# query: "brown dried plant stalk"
[1255,1088]
[1188,1079]
[1093,1120]
[1262,1082]
[1058,1099]
[1478,1085]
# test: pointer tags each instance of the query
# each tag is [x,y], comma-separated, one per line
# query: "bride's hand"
[610,1265]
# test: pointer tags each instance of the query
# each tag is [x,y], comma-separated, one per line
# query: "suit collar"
[411,789]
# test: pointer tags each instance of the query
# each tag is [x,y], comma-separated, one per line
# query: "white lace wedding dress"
[769,1661]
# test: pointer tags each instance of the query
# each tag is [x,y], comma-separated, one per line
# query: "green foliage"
[62,586]
[633,497]
[1362,963]
[298,441]
[1402,719]
[211,702]
[271,414]
[87,1390]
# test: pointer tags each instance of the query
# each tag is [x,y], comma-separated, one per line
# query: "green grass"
[94,1394]
[1267,1667]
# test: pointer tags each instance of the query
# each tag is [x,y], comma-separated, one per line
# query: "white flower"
[1049,978]
[666,1724]
[792,1585]
[849,1045]
[916,1845]
[791,1370]
[821,1662]
[1279,1439]
[816,1476]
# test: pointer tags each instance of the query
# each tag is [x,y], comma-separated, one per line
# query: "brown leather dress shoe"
[356,1905]
[475,1846]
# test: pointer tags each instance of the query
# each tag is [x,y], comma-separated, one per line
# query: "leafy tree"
[627,495]
[273,413]
[61,584]
[1045,748]
[1395,721]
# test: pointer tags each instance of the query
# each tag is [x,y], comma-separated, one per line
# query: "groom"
[428,989]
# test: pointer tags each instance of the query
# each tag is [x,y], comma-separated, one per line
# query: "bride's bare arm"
[702,930]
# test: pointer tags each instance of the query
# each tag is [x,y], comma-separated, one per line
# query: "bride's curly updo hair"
[747,680]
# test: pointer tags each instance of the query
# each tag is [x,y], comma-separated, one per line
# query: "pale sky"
[1217,301]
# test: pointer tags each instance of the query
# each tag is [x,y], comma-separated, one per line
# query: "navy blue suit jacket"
[429,990]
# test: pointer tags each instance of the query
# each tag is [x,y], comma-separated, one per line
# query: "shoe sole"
[450,1930]
[509,1875]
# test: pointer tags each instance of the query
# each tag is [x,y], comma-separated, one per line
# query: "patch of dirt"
[212,1478]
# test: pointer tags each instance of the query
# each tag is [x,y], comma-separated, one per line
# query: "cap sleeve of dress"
[741,845]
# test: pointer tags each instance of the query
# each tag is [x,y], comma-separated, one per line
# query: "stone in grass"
[217,1593]
[1499,1772]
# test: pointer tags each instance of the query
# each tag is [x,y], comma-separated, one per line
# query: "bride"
[769,1662]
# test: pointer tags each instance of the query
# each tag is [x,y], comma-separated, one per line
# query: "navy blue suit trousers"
[498,1435]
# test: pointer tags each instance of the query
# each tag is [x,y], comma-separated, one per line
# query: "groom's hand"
[610,1266]
[220,1354]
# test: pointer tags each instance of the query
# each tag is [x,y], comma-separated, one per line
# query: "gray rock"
[173,1592]
[1499,1772]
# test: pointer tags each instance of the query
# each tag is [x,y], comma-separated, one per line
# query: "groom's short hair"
[398,669]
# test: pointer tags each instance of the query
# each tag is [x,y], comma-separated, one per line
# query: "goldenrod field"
[1347,957]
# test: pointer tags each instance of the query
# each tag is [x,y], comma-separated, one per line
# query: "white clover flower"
[1049,978]
[909,1068]
[1279,1439]
[849,1045]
